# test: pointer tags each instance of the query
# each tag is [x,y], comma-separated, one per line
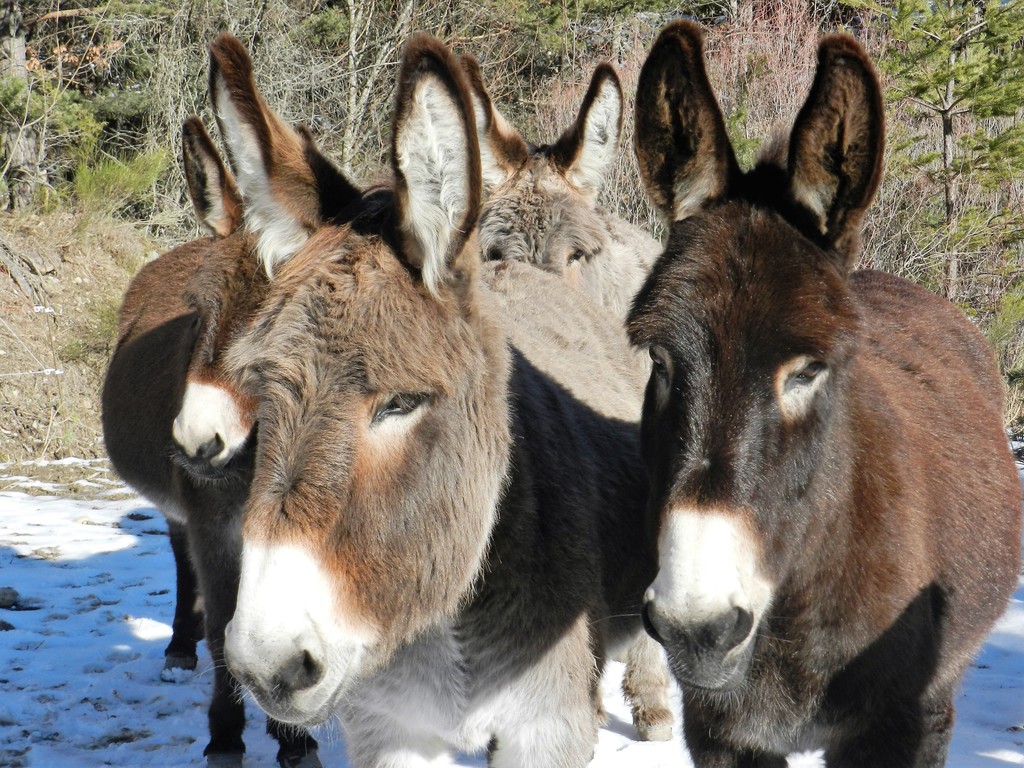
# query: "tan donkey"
[175,427]
[445,533]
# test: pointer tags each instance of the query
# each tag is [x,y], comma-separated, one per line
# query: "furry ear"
[837,144]
[682,148]
[288,187]
[435,158]
[502,149]
[586,151]
[211,186]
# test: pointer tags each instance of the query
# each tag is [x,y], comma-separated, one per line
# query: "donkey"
[840,517]
[542,210]
[542,200]
[174,427]
[445,530]
[145,380]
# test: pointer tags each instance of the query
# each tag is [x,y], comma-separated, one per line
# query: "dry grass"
[54,347]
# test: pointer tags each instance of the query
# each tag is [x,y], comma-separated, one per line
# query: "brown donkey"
[446,525]
[542,210]
[174,427]
[840,514]
[541,204]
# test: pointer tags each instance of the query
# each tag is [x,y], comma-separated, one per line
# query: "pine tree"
[960,64]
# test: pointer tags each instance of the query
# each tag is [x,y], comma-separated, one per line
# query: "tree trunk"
[19,141]
[949,185]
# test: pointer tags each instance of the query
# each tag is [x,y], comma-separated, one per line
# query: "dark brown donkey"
[840,514]
[446,524]
[174,428]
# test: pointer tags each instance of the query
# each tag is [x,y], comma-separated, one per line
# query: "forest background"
[93,95]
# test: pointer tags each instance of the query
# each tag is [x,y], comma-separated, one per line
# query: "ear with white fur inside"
[435,158]
[682,149]
[277,185]
[838,143]
[502,149]
[588,149]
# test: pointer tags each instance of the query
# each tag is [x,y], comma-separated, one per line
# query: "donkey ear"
[210,185]
[682,148]
[502,149]
[435,158]
[836,148]
[586,151]
[288,187]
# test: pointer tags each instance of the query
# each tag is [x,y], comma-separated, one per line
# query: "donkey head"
[383,421]
[294,190]
[215,420]
[542,200]
[751,329]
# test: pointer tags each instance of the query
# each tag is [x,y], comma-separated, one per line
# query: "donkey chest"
[776,712]
[436,689]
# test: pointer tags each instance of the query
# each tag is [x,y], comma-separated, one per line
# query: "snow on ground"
[80,669]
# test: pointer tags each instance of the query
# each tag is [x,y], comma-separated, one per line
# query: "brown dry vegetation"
[331,66]
[54,345]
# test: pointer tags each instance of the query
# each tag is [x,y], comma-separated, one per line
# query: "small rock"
[8,597]
[5,626]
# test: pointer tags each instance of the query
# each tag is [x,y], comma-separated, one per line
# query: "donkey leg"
[187,629]
[372,739]
[721,756]
[297,748]
[938,716]
[550,720]
[645,686]
[708,751]
[213,539]
[903,735]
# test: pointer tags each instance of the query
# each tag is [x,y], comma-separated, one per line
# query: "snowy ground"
[80,669]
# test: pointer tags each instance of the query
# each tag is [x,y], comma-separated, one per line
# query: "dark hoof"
[307,760]
[178,669]
[224,760]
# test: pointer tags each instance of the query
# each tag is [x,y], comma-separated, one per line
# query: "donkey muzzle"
[711,652]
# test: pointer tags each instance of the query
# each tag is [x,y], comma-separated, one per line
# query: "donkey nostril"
[210,448]
[729,630]
[301,672]
[645,615]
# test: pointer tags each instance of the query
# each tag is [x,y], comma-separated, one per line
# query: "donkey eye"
[400,405]
[494,253]
[808,373]
[658,361]
[577,255]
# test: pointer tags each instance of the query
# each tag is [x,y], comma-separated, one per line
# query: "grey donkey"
[541,208]
[541,199]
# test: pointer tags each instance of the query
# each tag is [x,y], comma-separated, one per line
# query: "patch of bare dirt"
[68,478]
[62,276]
